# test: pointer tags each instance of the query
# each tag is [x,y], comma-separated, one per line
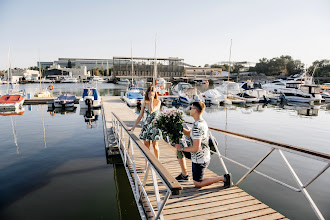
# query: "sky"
[197,31]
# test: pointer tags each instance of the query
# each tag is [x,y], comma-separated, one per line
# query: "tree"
[323,68]
[278,65]
[237,67]
[206,65]
[69,64]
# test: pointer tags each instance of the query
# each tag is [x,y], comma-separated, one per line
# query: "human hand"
[131,129]
[178,147]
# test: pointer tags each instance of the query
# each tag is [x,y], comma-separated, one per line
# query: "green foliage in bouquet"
[170,123]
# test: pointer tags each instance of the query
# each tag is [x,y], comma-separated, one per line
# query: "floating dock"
[184,201]
[39,100]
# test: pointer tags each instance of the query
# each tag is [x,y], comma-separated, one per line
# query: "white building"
[79,73]
[79,62]
[15,75]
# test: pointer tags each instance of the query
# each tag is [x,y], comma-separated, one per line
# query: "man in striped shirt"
[200,150]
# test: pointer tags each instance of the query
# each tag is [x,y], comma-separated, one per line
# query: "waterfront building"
[55,71]
[143,67]
[79,62]
[18,74]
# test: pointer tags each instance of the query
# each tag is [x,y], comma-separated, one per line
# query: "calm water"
[69,176]
[58,169]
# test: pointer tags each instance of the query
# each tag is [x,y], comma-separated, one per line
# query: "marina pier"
[157,193]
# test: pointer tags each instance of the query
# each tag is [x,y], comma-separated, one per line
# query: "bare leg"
[183,166]
[156,148]
[208,181]
[147,143]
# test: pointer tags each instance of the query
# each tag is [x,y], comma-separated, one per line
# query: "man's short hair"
[199,105]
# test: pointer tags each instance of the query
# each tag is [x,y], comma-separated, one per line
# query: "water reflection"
[303,109]
[91,116]
[12,113]
[63,111]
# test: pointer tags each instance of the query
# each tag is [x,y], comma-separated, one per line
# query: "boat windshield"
[184,86]
[134,95]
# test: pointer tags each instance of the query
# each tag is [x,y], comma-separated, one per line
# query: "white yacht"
[190,95]
[69,80]
[97,79]
[123,82]
[253,92]
[181,86]
[213,96]
[308,93]
[133,96]
[233,88]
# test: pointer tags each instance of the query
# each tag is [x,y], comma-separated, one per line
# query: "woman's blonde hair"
[153,89]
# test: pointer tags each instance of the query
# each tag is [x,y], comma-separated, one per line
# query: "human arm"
[186,132]
[194,148]
[139,118]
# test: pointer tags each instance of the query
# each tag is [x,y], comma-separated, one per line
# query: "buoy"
[50,87]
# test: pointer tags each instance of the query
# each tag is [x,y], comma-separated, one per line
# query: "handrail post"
[156,190]
[319,174]
[255,166]
[219,154]
[308,197]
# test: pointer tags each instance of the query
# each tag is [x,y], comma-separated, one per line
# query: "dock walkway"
[211,202]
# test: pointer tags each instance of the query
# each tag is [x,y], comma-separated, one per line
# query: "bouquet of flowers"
[170,123]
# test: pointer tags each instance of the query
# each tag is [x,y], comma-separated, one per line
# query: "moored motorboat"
[181,86]
[90,99]
[133,96]
[307,93]
[11,101]
[213,96]
[189,96]
[63,101]
[43,93]
[160,85]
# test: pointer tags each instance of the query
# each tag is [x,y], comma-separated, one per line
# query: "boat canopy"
[67,97]
[212,93]
[11,98]
[91,92]
[134,95]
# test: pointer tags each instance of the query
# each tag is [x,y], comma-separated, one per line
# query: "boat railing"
[280,147]
[128,155]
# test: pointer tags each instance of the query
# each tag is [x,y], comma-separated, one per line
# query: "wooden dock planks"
[211,202]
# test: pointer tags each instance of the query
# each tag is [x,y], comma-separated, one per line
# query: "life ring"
[162,87]
[51,87]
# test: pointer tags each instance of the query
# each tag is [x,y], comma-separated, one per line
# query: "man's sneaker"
[182,178]
[228,180]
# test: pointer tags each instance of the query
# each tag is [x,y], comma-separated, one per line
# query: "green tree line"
[283,65]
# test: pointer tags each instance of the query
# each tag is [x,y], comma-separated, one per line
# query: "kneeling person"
[200,150]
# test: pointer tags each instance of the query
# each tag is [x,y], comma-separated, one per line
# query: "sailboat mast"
[231,41]
[132,60]
[9,65]
[39,70]
[155,65]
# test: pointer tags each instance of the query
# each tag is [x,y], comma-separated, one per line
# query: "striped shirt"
[200,131]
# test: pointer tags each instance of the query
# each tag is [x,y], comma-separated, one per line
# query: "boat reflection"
[249,108]
[303,109]
[91,116]
[10,112]
[63,111]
